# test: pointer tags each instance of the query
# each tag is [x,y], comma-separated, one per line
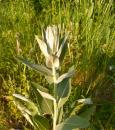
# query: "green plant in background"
[51,103]
[91,50]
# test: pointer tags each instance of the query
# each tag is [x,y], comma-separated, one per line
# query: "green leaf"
[88,113]
[41,122]
[27,105]
[46,95]
[38,98]
[42,46]
[63,91]
[45,105]
[63,48]
[24,111]
[39,68]
[28,110]
[73,123]
[37,86]
[70,73]
[19,96]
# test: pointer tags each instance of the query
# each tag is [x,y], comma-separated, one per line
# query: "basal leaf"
[73,123]
[27,105]
[19,96]
[24,112]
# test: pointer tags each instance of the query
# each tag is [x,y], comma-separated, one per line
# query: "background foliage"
[91,50]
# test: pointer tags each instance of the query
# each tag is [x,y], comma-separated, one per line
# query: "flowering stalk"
[55,96]
[50,103]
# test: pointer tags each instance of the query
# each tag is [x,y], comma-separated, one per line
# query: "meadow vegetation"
[91,49]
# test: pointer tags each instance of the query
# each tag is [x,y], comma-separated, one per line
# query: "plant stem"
[55,116]
[54,80]
[55,104]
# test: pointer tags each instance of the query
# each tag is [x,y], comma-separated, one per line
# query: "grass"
[90,24]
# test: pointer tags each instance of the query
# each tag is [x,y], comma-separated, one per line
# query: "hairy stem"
[54,81]
[55,95]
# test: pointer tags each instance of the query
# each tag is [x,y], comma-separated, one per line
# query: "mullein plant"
[46,102]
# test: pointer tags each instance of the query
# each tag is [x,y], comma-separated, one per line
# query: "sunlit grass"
[91,44]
